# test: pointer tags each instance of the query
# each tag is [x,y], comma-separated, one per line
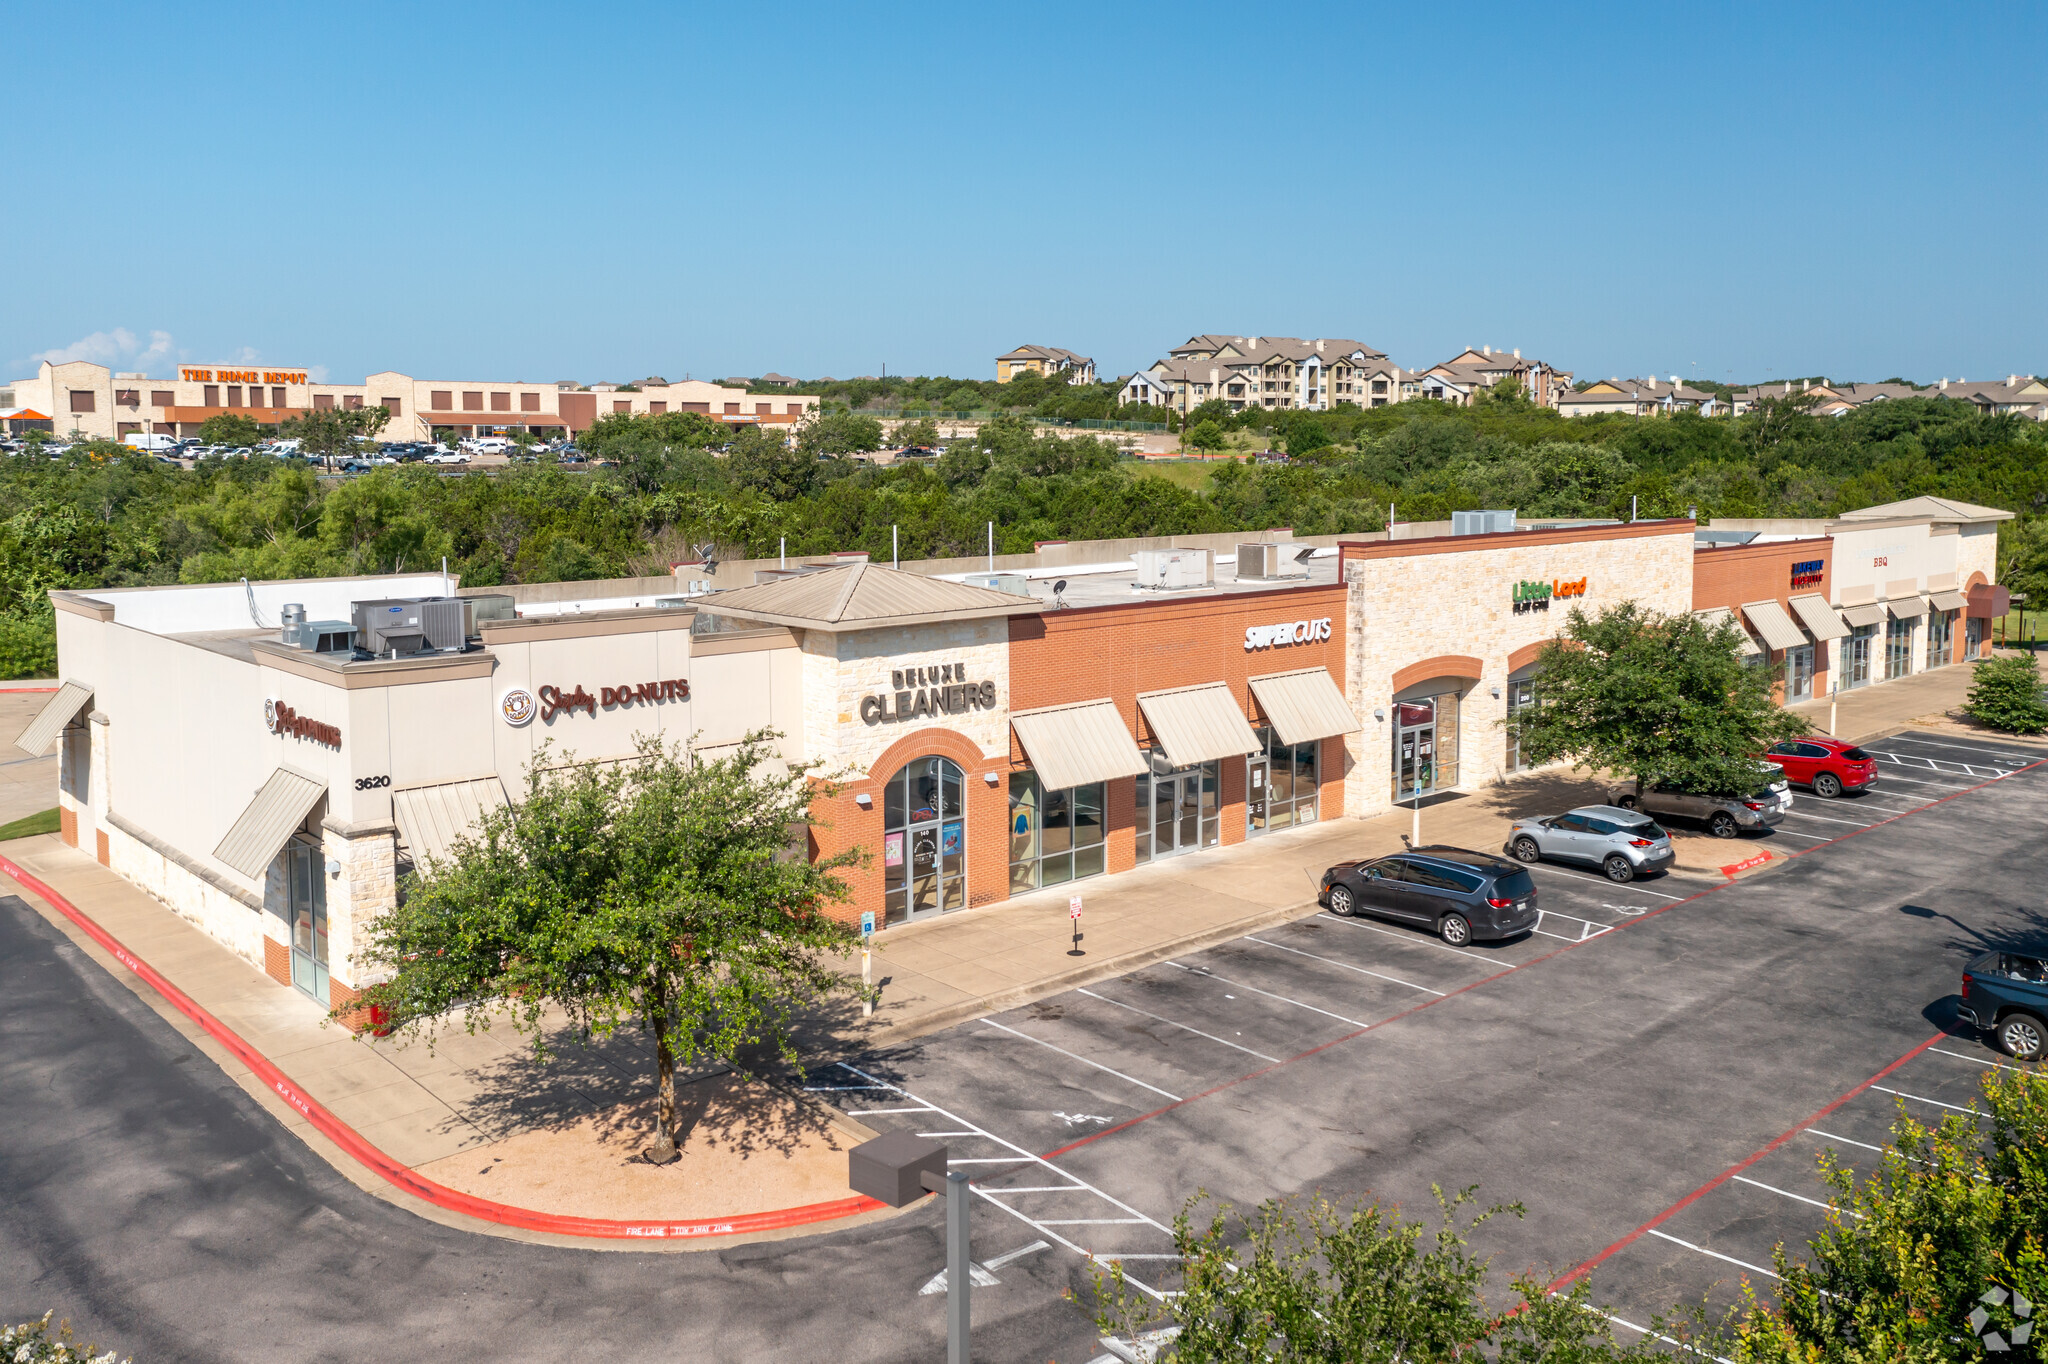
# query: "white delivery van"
[161,445]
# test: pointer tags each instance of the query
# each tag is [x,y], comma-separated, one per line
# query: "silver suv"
[1622,843]
[1724,816]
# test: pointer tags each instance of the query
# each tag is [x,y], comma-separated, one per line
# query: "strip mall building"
[96,403]
[1077,713]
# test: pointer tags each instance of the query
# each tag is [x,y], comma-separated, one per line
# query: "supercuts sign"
[1286,632]
[941,690]
[555,700]
[279,718]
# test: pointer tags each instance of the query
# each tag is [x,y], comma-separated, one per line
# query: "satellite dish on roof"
[1058,602]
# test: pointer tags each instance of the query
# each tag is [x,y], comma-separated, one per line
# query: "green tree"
[924,432]
[331,433]
[661,893]
[1949,1224]
[2006,695]
[1316,1281]
[839,433]
[1664,699]
[230,429]
[1206,435]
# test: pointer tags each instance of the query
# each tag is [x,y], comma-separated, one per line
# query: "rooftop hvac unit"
[485,606]
[1262,563]
[1015,584]
[1168,570]
[319,636]
[1482,522]
[410,625]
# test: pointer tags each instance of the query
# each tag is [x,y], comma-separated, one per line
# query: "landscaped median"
[580,1178]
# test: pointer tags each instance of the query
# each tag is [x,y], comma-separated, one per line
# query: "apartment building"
[1462,377]
[94,403]
[1044,360]
[1274,371]
[1650,397]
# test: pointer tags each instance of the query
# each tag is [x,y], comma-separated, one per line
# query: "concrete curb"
[404,1179]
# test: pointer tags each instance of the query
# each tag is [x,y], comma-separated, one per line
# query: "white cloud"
[117,347]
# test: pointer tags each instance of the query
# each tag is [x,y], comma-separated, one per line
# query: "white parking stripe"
[1082,1059]
[1226,980]
[1852,823]
[1845,1140]
[1781,829]
[1979,750]
[1714,1253]
[1890,777]
[1182,1026]
[1655,1335]
[1344,964]
[1953,1108]
[1600,880]
[1404,937]
[1978,1059]
[1798,1198]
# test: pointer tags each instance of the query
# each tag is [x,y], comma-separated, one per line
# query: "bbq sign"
[279,718]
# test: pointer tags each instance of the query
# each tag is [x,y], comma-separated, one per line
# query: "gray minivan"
[1460,895]
[1622,843]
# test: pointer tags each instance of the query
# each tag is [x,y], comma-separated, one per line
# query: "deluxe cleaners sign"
[1286,632]
[941,690]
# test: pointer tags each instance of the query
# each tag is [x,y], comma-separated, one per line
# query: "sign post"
[867,962]
[1074,913]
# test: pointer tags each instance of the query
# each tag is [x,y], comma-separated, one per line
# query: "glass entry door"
[306,887]
[1799,673]
[1856,660]
[1177,811]
[924,841]
[1425,746]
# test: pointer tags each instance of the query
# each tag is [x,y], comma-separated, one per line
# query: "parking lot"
[1652,1074]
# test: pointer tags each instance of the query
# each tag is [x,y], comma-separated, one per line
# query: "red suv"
[1829,766]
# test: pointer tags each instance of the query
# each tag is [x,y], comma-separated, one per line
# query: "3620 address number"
[371,783]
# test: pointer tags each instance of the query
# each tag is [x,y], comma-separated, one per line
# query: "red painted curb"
[21,689]
[344,1136]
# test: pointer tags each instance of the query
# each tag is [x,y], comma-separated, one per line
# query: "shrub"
[32,1343]
[2007,695]
[1206,436]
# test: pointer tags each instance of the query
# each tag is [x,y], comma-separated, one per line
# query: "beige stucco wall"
[1405,610]
[839,669]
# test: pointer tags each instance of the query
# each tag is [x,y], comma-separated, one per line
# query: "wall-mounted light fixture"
[1496,691]
[1379,714]
[864,801]
[991,778]
[333,866]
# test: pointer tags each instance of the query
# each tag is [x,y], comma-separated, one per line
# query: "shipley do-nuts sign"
[1286,632]
[518,707]
[941,690]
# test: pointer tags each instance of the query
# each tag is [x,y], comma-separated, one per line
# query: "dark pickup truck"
[2007,995]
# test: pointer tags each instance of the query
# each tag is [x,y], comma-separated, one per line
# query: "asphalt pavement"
[1651,1076]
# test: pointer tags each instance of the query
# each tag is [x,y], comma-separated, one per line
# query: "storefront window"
[1521,696]
[1425,745]
[1856,657]
[1898,648]
[1941,626]
[1799,673]
[1055,836]
[1178,808]
[924,841]
[1280,784]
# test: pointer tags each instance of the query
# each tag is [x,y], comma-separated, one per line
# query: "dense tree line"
[101,516]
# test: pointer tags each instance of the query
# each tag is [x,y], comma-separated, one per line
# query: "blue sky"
[523,192]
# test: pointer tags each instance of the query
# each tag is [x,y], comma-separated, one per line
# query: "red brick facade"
[1734,574]
[1085,654]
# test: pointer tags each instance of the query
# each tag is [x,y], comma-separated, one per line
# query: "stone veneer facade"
[1409,602]
[841,668]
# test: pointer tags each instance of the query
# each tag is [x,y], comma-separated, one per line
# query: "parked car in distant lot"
[2006,994]
[1622,843]
[447,457]
[1724,816]
[1828,766]
[1460,895]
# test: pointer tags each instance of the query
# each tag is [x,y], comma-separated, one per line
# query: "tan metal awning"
[57,712]
[1715,615]
[1769,620]
[1949,601]
[1198,724]
[1907,608]
[1304,704]
[278,810]
[1078,745]
[433,817]
[1870,613]
[1820,618]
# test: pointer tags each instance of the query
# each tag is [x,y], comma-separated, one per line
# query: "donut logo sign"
[517,706]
